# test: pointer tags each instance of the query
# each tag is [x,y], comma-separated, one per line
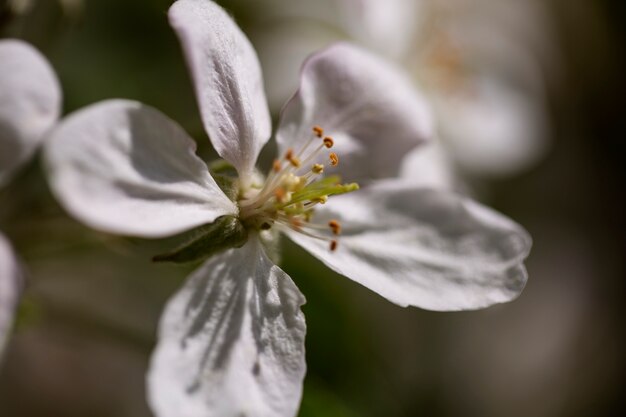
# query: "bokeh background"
[87,322]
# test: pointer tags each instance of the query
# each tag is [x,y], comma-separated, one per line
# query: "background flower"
[483,64]
[30,103]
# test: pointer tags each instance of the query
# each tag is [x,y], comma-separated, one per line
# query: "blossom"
[478,61]
[231,341]
[30,103]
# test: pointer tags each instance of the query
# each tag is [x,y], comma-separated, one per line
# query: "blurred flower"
[478,62]
[30,103]
[231,341]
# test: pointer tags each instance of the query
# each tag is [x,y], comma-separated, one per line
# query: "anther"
[335,226]
[319,132]
[328,142]
[293,160]
[333,245]
[277,165]
[322,199]
[334,159]
[317,168]
[282,195]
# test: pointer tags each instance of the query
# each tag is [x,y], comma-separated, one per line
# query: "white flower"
[478,61]
[231,341]
[30,103]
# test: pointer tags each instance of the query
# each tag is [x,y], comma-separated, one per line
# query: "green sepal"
[225,232]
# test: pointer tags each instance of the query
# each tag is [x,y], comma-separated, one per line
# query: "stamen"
[290,193]
[319,132]
[293,160]
[335,226]
[281,195]
[317,168]
[334,159]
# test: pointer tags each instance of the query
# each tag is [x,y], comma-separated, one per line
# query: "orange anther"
[293,160]
[280,194]
[335,226]
[319,132]
[333,245]
[334,159]
[276,165]
[328,142]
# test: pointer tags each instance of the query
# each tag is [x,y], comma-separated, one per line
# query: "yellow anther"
[317,168]
[333,245]
[334,159]
[319,132]
[293,160]
[277,165]
[328,142]
[335,226]
[294,182]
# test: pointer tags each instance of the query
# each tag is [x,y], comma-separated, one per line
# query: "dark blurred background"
[87,322]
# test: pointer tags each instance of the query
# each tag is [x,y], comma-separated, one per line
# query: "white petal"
[429,166]
[227,78]
[368,106]
[123,167]
[231,341]
[30,103]
[424,247]
[494,129]
[386,26]
[10,281]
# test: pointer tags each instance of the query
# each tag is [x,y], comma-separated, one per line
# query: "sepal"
[224,233]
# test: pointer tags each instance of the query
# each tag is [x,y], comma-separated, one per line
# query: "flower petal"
[424,247]
[494,130]
[123,167]
[386,26]
[429,166]
[30,103]
[10,280]
[231,341]
[227,78]
[368,106]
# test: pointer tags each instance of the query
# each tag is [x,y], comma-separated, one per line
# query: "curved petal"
[231,341]
[123,167]
[368,106]
[227,78]
[30,103]
[424,247]
[10,279]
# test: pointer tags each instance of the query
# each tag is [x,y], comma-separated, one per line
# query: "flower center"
[294,187]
